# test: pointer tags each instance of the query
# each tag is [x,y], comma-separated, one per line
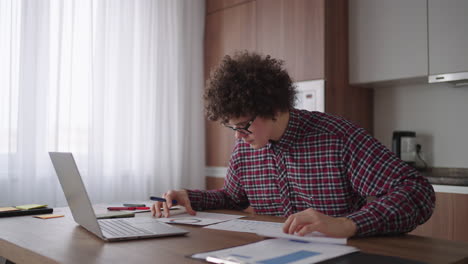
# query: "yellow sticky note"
[6,209]
[30,206]
[49,216]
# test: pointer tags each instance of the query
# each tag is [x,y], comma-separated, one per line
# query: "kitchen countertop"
[447,176]
[450,189]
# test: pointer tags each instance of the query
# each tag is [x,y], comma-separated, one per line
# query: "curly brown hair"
[248,84]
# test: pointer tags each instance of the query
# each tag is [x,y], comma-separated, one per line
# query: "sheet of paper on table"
[272,229]
[200,219]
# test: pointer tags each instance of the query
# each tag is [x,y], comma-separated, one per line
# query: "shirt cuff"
[366,222]
[195,197]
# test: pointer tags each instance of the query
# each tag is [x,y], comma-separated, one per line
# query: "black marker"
[159,199]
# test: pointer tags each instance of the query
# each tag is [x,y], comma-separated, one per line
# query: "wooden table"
[31,240]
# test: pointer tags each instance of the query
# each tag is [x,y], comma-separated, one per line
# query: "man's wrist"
[350,227]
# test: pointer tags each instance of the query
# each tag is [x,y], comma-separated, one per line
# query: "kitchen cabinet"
[398,40]
[448,36]
[387,40]
[449,218]
[460,217]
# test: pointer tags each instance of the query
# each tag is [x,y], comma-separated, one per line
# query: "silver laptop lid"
[75,191]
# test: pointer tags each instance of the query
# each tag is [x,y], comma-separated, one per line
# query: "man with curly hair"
[314,168]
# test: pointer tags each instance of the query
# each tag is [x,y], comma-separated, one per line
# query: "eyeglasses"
[244,130]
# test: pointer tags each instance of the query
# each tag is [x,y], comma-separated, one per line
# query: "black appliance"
[404,145]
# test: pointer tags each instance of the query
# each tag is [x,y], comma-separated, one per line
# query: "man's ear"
[277,115]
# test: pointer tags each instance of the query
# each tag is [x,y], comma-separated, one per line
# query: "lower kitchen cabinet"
[449,218]
[460,218]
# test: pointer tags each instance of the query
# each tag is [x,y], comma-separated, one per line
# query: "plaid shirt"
[328,164]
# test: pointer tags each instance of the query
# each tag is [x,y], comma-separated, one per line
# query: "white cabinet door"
[311,95]
[387,40]
[448,36]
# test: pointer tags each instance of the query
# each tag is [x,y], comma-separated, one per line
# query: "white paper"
[273,229]
[201,218]
[279,251]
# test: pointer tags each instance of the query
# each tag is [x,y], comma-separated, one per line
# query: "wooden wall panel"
[362,109]
[214,183]
[310,35]
[226,31]
[350,102]
[337,92]
[219,144]
[293,30]
[217,5]
[229,30]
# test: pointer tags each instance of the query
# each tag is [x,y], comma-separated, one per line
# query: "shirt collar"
[290,135]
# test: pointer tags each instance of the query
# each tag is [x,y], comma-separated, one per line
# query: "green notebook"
[30,206]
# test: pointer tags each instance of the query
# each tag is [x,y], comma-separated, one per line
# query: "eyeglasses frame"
[244,130]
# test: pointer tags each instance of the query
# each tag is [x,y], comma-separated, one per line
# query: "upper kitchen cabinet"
[388,40]
[293,31]
[448,38]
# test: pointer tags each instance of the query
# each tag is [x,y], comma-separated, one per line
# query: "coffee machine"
[404,146]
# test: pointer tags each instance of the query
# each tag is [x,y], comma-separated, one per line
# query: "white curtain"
[117,83]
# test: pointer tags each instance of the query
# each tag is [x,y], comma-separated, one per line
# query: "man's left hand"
[310,220]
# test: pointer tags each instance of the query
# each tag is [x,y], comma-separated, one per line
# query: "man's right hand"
[181,196]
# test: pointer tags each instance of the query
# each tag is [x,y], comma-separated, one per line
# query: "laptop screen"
[75,191]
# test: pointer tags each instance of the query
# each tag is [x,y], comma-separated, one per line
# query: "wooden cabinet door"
[226,31]
[460,217]
[293,30]
[440,225]
[449,218]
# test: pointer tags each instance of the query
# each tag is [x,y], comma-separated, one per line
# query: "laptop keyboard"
[119,228]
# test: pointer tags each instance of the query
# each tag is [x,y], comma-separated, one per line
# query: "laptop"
[113,229]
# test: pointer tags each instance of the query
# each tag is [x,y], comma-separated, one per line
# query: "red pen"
[126,208]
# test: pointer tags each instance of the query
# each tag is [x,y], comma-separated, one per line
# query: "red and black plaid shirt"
[328,164]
